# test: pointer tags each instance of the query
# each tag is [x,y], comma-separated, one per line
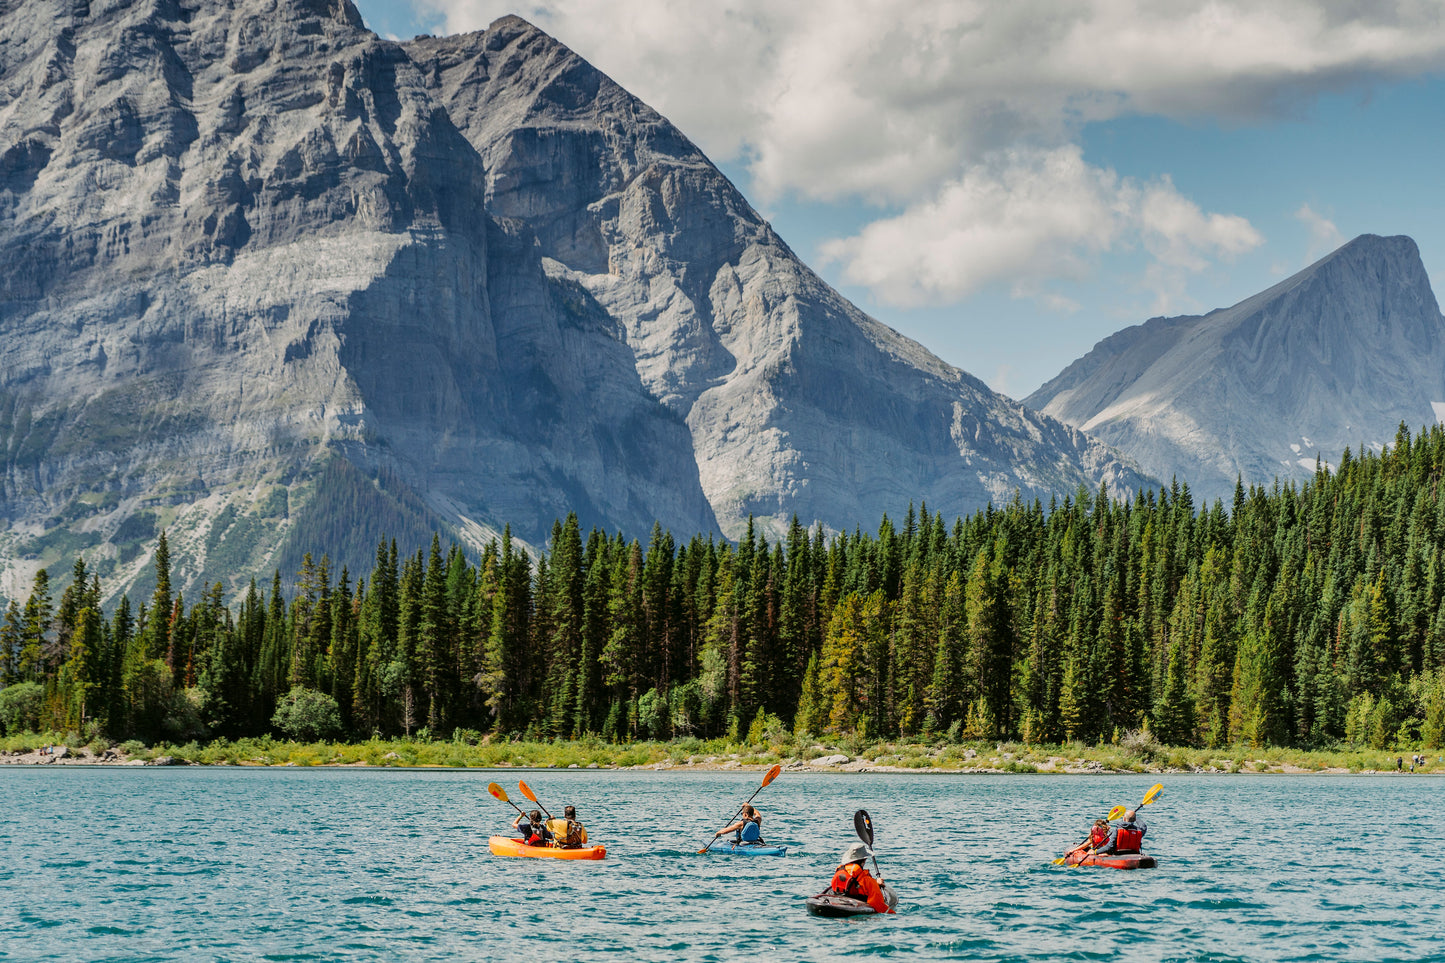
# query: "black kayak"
[826,904]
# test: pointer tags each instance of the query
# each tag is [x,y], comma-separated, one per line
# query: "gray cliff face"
[247,242]
[276,285]
[1335,357]
[797,402]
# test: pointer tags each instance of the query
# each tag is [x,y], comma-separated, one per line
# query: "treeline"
[1304,615]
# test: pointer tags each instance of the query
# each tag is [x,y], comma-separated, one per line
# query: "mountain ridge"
[255,239]
[1337,355]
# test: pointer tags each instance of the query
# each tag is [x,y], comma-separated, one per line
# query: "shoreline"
[64,756]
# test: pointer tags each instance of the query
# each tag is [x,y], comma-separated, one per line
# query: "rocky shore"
[834,763]
[65,756]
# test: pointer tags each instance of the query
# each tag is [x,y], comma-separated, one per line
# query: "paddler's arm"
[735,827]
[876,899]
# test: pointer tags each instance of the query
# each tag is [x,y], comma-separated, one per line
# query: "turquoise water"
[132,864]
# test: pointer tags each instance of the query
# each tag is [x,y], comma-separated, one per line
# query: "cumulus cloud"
[886,98]
[1324,236]
[938,109]
[1024,218]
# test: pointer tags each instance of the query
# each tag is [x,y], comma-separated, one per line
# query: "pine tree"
[1174,714]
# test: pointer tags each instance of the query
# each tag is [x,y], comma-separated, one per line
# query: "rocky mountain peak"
[280,286]
[1335,356]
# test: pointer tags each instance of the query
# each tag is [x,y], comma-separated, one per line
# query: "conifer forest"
[1302,616]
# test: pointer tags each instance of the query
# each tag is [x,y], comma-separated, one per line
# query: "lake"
[287,864]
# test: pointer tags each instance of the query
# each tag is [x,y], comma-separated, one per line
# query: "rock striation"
[274,284]
[797,402]
[1336,356]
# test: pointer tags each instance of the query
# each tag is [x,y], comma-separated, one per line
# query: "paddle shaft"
[766,779]
[734,816]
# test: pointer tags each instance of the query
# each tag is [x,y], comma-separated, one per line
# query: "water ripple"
[301,865]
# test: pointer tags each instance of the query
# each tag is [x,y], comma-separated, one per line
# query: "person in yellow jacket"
[569,833]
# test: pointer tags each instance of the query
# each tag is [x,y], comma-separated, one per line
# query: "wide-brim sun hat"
[855,853]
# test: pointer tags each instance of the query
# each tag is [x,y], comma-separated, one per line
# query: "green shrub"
[20,706]
[307,715]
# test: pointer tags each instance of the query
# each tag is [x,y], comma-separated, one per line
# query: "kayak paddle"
[501,794]
[527,791]
[771,775]
[864,826]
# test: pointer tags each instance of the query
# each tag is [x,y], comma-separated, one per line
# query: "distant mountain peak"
[1334,356]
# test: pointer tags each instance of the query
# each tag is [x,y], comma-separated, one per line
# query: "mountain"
[275,284]
[1335,357]
[797,402]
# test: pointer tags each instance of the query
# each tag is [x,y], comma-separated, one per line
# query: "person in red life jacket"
[1128,837]
[533,829]
[1098,837]
[852,879]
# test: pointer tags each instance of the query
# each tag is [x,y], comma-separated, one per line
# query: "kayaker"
[1128,837]
[1098,836]
[853,880]
[748,830]
[573,835]
[534,831]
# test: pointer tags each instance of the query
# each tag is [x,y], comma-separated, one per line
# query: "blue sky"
[1008,184]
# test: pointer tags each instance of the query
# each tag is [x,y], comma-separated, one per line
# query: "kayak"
[1117,861]
[750,849]
[826,904]
[502,846]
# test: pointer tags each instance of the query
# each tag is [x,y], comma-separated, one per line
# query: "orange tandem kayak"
[502,846]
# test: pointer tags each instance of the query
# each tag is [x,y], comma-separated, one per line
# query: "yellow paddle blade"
[526,790]
[497,791]
[1155,790]
[772,774]
[1115,813]
[1060,860]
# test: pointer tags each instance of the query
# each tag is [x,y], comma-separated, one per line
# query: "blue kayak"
[750,849]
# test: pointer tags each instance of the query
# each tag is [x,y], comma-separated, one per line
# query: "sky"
[1009,183]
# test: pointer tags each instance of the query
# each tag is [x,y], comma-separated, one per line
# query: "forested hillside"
[1300,615]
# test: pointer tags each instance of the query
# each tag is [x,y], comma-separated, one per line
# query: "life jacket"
[854,882]
[1098,836]
[751,832]
[568,833]
[848,881]
[1128,839]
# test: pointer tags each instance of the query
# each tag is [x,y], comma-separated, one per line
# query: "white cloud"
[963,114]
[1024,218]
[886,99]
[1324,236]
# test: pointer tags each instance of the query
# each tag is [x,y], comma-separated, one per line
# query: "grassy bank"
[1132,754]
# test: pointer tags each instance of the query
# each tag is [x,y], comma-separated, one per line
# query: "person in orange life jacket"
[533,829]
[749,829]
[852,879]
[1128,837]
[1098,836]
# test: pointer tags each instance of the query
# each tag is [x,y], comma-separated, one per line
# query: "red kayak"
[1117,861]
